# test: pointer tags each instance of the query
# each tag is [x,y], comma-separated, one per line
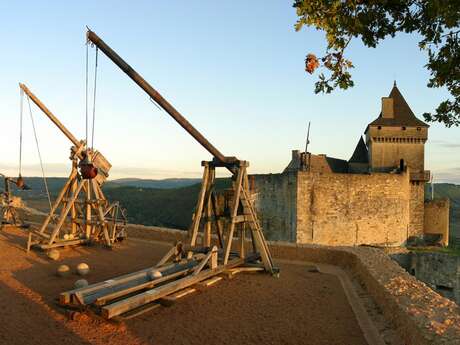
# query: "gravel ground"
[300,307]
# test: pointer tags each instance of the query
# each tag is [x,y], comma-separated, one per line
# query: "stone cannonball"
[82,269]
[53,254]
[63,271]
[80,283]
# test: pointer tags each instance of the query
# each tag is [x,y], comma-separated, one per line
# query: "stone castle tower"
[376,197]
[396,139]
[396,142]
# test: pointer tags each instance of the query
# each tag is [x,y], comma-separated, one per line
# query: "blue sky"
[233,68]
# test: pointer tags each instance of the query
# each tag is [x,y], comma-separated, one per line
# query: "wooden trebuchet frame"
[9,214]
[81,213]
[187,264]
[240,217]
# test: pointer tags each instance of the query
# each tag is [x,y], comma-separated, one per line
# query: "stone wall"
[436,220]
[334,209]
[417,208]
[352,209]
[440,271]
[275,203]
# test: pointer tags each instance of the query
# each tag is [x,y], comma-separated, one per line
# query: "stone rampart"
[275,202]
[352,209]
[436,220]
[334,208]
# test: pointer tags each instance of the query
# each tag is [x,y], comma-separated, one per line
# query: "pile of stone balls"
[82,269]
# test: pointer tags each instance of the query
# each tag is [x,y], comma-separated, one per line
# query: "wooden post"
[217,222]
[100,213]
[64,189]
[234,211]
[199,210]
[73,211]
[242,239]
[65,213]
[88,226]
[208,210]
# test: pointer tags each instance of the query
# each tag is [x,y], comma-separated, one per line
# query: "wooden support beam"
[138,300]
[234,211]
[199,209]
[64,214]
[171,299]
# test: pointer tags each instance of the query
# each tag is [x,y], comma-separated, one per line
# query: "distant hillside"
[451,191]
[161,207]
[444,190]
[165,205]
[56,183]
[162,184]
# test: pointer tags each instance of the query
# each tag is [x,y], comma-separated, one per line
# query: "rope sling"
[36,143]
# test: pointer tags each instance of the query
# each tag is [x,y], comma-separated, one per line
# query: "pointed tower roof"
[361,154]
[402,113]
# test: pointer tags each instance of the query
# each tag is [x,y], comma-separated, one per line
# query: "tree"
[437,22]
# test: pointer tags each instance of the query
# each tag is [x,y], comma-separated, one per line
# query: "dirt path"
[300,307]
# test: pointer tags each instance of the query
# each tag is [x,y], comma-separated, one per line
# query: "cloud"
[444,143]
[450,175]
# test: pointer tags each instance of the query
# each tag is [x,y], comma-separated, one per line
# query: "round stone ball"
[154,274]
[66,237]
[80,283]
[53,254]
[63,271]
[82,269]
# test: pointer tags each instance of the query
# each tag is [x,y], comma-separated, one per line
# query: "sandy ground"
[300,307]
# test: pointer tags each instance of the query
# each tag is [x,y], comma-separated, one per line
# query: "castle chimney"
[295,154]
[387,108]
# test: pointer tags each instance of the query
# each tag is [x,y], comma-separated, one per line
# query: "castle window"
[403,128]
[419,128]
[379,127]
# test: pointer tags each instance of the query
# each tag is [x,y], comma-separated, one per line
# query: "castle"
[374,198]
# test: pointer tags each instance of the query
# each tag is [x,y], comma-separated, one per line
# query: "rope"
[20,130]
[86,95]
[39,154]
[94,100]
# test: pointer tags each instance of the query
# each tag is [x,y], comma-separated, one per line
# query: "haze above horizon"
[235,70]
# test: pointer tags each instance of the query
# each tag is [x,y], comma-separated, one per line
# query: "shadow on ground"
[300,307]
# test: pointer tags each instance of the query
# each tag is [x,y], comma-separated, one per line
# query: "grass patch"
[451,250]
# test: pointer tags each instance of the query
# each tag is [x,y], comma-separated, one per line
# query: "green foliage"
[172,207]
[451,250]
[436,21]
[160,207]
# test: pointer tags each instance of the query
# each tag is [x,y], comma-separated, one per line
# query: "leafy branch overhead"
[436,21]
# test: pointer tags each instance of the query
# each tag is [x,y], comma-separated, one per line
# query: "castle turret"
[396,139]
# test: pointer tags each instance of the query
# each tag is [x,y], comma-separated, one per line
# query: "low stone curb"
[421,315]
